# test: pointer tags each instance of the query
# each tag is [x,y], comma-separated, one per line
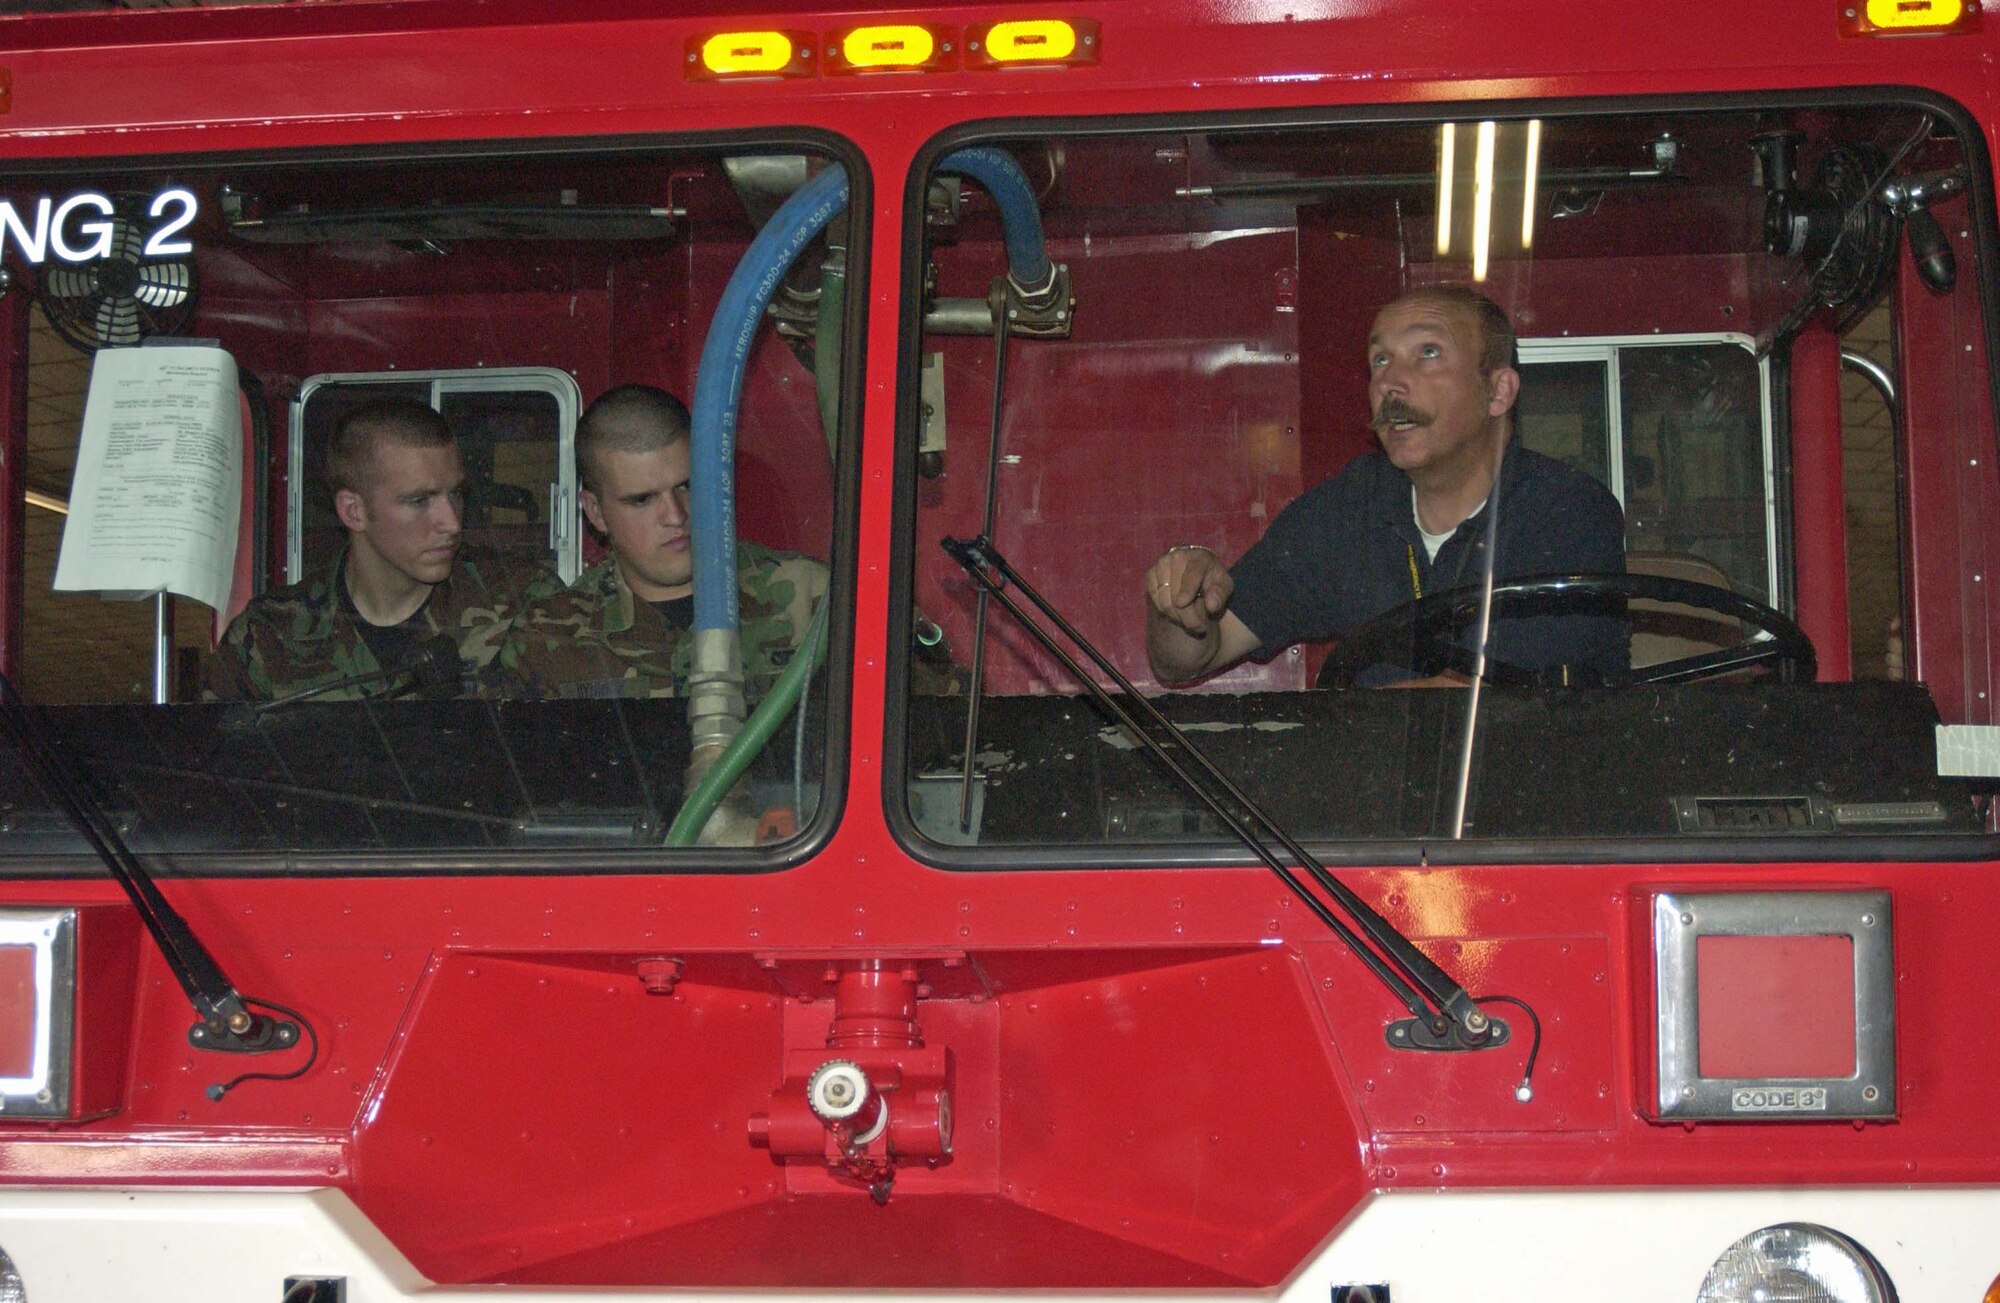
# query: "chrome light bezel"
[44,1091]
[1681,919]
[1873,1278]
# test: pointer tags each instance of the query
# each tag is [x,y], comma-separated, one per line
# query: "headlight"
[1796,1263]
[11,1289]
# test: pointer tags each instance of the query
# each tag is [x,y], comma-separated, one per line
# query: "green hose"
[745,746]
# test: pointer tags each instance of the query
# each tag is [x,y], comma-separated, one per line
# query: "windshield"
[1554,480]
[361,503]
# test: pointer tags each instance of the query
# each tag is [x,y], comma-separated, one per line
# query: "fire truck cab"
[964,950]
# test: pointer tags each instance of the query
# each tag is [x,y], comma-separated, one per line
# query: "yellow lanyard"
[1416,584]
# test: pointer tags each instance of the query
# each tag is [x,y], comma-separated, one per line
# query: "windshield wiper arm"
[1446,1016]
[225,1020]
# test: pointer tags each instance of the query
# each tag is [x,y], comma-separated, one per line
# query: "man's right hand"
[1190,587]
[1189,628]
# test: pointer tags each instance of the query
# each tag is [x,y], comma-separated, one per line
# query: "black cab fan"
[123,297]
[1839,226]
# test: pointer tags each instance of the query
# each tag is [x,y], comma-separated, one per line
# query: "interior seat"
[1666,631]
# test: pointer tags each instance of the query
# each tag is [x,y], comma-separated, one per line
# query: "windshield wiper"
[1443,1016]
[225,1020]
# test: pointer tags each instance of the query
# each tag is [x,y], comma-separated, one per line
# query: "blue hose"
[1020,218]
[718,388]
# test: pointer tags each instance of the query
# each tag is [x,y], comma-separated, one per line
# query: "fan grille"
[121,298]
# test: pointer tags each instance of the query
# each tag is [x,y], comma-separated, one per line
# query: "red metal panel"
[1819,501]
[1418,1095]
[1226,1141]
[652,339]
[1198,388]
[243,576]
[1682,293]
[17,1010]
[1948,460]
[1777,1006]
[1220,1157]
[464,58]
[261,317]
[471,330]
[88,989]
[109,942]
[478,1093]
[475,1066]
[1341,288]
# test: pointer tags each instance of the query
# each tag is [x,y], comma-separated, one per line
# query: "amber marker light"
[892,47]
[729,56]
[1032,42]
[1993,1291]
[1907,17]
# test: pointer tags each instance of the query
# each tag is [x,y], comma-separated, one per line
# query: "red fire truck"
[970,957]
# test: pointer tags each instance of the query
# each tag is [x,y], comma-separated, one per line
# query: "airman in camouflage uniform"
[622,629]
[302,636]
[598,640]
[402,579]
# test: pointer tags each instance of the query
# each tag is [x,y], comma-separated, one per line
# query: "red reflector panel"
[17,1011]
[1775,1006]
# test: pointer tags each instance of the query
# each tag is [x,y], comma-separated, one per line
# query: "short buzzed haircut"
[1496,332]
[630,418]
[350,453]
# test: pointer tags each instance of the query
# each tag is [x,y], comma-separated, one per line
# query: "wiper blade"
[225,1021]
[1446,1016]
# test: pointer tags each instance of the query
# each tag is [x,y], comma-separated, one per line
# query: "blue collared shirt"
[1349,549]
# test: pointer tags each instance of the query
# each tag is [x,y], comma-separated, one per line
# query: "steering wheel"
[1422,633]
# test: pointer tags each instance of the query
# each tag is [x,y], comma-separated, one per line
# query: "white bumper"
[1638,1246]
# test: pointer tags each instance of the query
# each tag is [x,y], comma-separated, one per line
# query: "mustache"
[1394,409]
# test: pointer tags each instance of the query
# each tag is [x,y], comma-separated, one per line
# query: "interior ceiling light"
[1482,184]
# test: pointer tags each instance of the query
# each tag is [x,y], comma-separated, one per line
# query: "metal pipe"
[1002,290]
[790,690]
[1873,372]
[827,340]
[1463,795]
[1574,178]
[163,648]
[959,317]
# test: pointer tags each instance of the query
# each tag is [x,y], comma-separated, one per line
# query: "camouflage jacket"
[301,636]
[598,640]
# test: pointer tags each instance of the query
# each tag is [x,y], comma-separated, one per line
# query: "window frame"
[565,537]
[43,862]
[896,768]
[1609,348]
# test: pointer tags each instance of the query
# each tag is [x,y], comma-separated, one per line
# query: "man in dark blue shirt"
[1409,519]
